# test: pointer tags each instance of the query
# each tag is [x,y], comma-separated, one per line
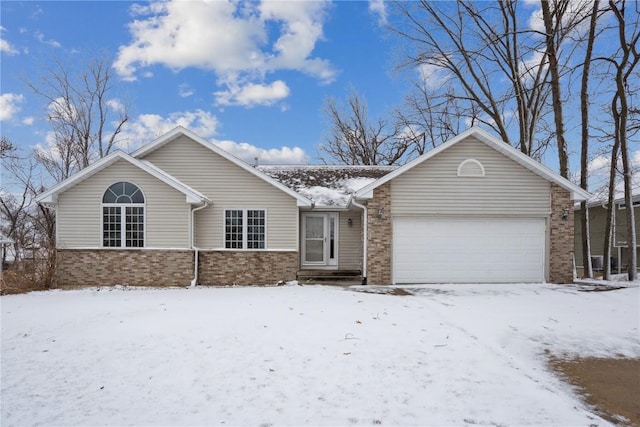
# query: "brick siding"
[246,267]
[105,267]
[561,236]
[379,236]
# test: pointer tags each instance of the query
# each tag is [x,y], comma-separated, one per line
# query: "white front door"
[320,239]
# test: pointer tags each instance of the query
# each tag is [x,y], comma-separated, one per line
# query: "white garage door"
[427,250]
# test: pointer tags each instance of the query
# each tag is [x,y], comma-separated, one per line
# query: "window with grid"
[111,226]
[233,229]
[255,229]
[245,229]
[123,216]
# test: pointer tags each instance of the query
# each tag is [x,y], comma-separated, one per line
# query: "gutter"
[365,224]
[193,246]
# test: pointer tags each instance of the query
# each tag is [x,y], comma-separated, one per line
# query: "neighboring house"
[5,242]
[597,227]
[181,210]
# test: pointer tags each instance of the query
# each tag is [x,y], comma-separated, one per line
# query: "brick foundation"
[561,236]
[379,237]
[104,267]
[246,267]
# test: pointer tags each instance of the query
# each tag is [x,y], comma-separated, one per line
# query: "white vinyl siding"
[79,212]
[350,241]
[434,187]
[228,187]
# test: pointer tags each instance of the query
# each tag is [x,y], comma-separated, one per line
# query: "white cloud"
[432,76]
[536,22]
[40,37]
[379,8]
[5,46]
[576,12]
[28,121]
[273,156]
[9,105]
[529,67]
[147,127]
[232,39]
[599,165]
[185,91]
[253,94]
[116,105]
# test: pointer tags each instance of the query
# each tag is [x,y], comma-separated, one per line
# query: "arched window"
[471,167]
[123,216]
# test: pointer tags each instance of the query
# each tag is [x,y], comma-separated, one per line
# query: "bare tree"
[30,226]
[584,151]
[356,140]
[80,111]
[552,21]
[495,64]
[479,49]
[429,117]
[624,65]
[7,148]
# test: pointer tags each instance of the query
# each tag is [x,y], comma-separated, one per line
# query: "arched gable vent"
[470,167]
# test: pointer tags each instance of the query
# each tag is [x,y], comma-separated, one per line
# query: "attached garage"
[467,250]
[472,210]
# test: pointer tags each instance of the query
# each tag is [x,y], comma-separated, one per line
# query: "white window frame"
[245,229]
[123,219]
[623,206]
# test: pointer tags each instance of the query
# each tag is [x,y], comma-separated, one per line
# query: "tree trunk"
[620,110]
[551,30]
[584,153]
[606,266]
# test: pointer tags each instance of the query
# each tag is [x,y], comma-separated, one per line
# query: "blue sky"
[250,76]
[253,79]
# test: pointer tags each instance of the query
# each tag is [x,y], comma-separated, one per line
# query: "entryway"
[320,240]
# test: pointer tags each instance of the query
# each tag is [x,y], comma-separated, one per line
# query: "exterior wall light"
[350,222]
[565,214]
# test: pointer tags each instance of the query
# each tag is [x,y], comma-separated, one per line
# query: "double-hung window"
[245,229]
[123,216]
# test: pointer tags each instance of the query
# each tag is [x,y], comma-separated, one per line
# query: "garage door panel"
[428,250]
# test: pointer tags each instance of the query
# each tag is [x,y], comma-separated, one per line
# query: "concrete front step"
[330,276]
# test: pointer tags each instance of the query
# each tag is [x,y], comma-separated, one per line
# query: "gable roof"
[326,185]
[180,131]
[51,195]
[483,136]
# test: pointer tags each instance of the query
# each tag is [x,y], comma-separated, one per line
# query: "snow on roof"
[326,185]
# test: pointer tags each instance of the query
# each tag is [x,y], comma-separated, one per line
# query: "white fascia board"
[366,192]
[530,164]
[51,195]
[301,201]
[493,142]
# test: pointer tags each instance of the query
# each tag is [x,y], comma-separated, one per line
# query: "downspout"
[193,246]
[365,224]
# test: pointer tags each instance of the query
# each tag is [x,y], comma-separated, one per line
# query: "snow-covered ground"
[306,355]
